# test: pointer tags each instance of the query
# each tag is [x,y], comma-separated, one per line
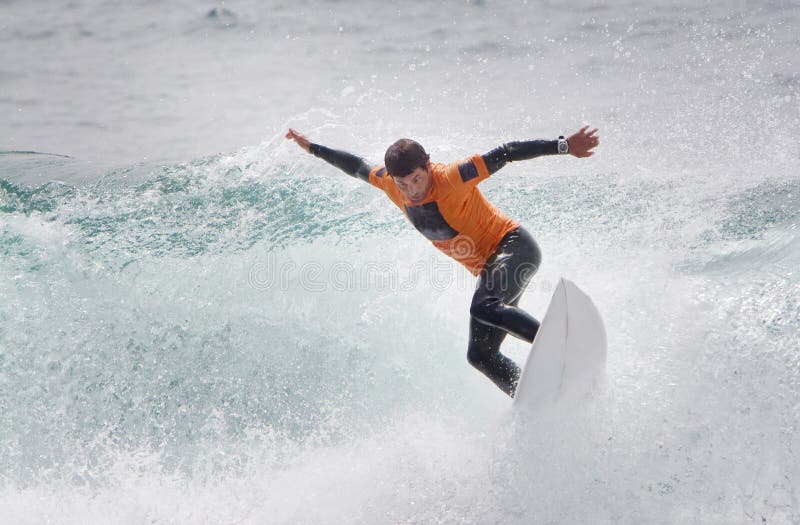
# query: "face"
[416,185]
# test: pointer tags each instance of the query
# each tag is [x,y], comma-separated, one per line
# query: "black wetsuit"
[503,278]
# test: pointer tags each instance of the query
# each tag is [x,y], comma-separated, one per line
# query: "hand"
[301,139]
[582,143]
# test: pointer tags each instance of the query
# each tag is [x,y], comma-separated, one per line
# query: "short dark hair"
[404,156]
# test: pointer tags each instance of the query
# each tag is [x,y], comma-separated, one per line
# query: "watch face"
[562,146]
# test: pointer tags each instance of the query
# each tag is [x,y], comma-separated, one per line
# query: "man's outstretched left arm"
[579,144]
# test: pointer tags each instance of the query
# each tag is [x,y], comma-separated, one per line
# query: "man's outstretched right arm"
[347,162]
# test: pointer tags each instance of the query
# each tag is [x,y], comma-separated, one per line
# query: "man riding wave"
[444,203]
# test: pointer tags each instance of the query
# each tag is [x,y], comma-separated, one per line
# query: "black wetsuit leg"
[494,311]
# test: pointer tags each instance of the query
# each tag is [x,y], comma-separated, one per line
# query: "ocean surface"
[200,323]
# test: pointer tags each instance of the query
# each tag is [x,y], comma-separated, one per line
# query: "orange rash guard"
[455,216]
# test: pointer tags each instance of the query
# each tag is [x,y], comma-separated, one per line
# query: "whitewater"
[200,323]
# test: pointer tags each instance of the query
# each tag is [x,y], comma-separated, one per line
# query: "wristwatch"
[563,145]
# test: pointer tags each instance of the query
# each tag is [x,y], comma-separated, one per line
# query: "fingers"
[293,134]
[299,139]
[585,133]
[583,142]
[584,139]
[592,136]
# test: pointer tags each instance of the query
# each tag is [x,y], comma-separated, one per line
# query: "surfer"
[443,202]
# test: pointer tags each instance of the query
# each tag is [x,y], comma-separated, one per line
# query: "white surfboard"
[568,353]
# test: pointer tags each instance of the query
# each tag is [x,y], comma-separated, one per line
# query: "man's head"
[407,163]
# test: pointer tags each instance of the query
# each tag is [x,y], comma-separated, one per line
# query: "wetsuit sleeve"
[347,162]
[468,172]
[522,150]
[378,177]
